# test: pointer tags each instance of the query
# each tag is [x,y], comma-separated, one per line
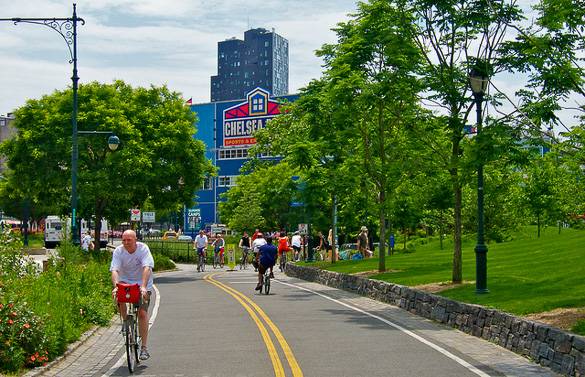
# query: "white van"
[53,231]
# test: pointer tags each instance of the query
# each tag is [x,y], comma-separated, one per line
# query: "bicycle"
[129,295]
[201,262]
[244,259]
[266,282]
[215,258]
[282,261]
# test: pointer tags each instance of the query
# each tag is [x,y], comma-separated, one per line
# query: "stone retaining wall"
[549,346]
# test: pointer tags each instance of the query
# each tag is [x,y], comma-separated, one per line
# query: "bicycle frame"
[201,262]
[244,259]
[130,332]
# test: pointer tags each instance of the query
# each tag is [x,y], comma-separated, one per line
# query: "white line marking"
[122,359]
[398,327]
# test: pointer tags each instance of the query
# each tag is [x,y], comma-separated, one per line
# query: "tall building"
[260,60]
[7,131]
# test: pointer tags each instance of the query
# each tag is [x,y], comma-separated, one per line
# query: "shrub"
[51,309]
[162,262]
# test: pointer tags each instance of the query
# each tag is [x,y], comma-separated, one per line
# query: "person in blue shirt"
[266,259]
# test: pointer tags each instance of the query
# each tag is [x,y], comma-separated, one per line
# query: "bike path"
[204,329]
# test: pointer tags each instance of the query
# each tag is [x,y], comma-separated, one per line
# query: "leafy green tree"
[374,62]
[454,36]
[158,159]
[260,199]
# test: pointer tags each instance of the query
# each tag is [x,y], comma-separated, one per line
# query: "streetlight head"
[479,82]
[113,142]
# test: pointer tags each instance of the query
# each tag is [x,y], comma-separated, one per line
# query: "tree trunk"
[382,251]
[538,224]
[457,263]
[454,173]
[382,195]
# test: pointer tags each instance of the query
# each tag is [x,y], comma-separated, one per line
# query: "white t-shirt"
[85,241]
[257,243]
[129,266]
[296,240]
[201,241]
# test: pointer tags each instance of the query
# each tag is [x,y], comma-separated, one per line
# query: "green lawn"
[526,275]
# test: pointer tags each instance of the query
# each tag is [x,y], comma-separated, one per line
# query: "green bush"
[162,262]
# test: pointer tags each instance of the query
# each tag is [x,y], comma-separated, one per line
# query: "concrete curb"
[548,346]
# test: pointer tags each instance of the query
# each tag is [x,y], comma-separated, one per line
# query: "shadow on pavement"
[176,279]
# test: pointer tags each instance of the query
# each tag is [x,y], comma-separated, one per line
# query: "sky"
[167,42]
[158,42]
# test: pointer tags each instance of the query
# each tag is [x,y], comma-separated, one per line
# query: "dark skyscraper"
[260,60]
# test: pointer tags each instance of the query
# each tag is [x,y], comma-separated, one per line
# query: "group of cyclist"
[132,263]
[218,244]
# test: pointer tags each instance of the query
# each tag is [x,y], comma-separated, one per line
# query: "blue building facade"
[227,129]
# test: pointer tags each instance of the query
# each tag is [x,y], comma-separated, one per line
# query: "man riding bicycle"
[256,244]
[265,259]
[132,263]
[218,249]
[200,244]
[244,245]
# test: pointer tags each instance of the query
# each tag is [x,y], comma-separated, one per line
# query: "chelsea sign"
[242,120]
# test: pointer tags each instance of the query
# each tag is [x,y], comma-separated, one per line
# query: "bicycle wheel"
[131,346]
[266,284]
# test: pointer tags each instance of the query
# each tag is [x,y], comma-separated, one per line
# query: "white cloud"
[171,42]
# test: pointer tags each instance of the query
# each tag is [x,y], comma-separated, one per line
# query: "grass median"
[525,275]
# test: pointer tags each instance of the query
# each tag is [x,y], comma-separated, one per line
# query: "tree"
[158,159]
[260,199]
[454,36]
[371,70]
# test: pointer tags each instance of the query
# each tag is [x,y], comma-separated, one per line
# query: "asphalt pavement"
[215,324]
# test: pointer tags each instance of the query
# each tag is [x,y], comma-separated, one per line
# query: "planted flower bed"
[41,313]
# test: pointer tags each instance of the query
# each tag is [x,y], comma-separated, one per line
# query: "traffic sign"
[148,217]
[231,259]
[134,215]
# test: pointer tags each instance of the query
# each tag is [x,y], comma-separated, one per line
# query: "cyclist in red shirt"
[283,248]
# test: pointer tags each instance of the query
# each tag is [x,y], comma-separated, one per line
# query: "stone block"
[568,365]
[541,332]
[579,343]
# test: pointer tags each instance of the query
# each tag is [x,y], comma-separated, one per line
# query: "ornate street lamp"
[479,83]
[67,28]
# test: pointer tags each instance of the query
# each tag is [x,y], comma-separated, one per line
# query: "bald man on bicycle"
[132,263]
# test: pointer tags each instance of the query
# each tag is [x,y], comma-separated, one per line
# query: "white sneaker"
[144,355]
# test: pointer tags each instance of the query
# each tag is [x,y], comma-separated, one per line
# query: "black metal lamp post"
[67,28]
[479,83]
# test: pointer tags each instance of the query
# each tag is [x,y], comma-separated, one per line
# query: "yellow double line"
[250,306]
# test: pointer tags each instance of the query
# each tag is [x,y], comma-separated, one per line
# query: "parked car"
[170,235]
[185,237]
[153,232]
